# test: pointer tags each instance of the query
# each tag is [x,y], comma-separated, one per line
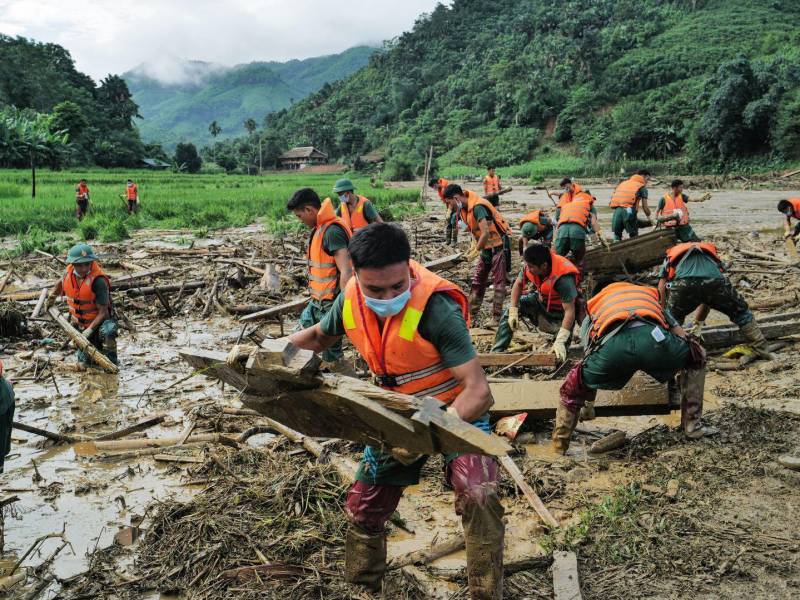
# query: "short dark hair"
[433,182]
[676,183]
[379,245]
[565,181]
[643,172]
[453,190]
[538,254]
[303,197]
[783,205]
[490,168]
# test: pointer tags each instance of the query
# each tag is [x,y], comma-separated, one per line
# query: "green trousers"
[635,348]
[530,306]
[566,244]
[685,233]
[624,219]
[686,294]
[105,340]
[311,315]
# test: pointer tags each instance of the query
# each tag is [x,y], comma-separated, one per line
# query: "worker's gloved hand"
[677,213]
[451,410]
[473,252]
[237,352]
[88,332]
[513,317]
[51,300]
[787,235]
[696,329]
[560,345]
[404,456]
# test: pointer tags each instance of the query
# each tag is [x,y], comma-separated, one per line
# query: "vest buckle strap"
[385,381]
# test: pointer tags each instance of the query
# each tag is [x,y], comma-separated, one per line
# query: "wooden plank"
[84,344]
[631,255]
[715,338]
[547,359]
[566,583]
[536,503]
[446,262]
[39,304]
[171,287]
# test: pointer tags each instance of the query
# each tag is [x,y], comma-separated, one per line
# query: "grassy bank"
[168,200]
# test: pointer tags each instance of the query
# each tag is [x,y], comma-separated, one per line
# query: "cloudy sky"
[112,36]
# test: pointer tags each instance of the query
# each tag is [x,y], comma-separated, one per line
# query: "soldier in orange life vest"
[491,187]
[692,278]
[791,208]
[450,231]
[410,326]
[673,212]
[355,211]
[576,217]
[627,330]
[132,196]
[88,293]
[535,226]
[492,246]
[328,261]
[81,199]
[625,201]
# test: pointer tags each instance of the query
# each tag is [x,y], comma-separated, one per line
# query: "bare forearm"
[473,402]
[569,315]
[645,207]
[102,315]
[313,339]
[516,292]
[662,291]
[481,243]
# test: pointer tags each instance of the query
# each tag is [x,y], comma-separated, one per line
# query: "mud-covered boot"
[497,307]
[365,557]
[587,411]
[110,349]
[475,301]
[483,537]
[692,385]
[566,421]
[756,340]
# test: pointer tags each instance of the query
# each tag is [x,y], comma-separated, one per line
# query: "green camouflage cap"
[80,253]
[344,185]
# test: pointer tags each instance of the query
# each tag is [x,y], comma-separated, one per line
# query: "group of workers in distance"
[411,327]
[83,200]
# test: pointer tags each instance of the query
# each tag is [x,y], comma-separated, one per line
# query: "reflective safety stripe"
[414,375]
[347,314]
[438,389]
[321,265]
[410,322]
[323,279]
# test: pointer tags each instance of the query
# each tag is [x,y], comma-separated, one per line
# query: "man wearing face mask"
[410,326]
[354,210]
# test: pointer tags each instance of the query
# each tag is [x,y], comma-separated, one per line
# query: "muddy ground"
[660,517]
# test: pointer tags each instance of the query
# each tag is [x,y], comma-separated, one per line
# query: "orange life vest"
[578,211]
[80,296]
[623,301]
[671,204]
[533,217]
[323,275]
[401,359]
[442,183]
[678,252]
[567,197]
[497,225]
[357,220]
[491,185]
[560,267]
[625,194]
[795,202]
[82,189]
[132,191]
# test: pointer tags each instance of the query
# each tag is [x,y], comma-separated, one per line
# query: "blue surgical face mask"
[343,198]
[391,307]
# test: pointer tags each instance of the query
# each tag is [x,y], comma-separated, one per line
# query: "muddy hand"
[404,456]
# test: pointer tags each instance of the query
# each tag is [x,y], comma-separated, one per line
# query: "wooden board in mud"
[630,256]
[337,406]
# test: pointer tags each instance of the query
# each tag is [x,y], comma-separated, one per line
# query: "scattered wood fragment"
[151,290]
[136,444]
[566,583]
[5,279]
[533,499]
[610,442]
[39,304]
[293,307]
[140,426]
[790,462]
[84,344]
[267,571]
[520,359]
[61,438]
[631,255]
[428,553]
[271,279]
[178,458]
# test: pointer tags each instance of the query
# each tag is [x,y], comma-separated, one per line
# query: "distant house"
[155,164]
[302,157]
[373,158]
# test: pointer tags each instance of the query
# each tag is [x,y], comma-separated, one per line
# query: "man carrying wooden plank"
[692,278]
[625,201]
[575,219]
[673,212]
[88,292]
[328,260]
[492,247]
[410,326]
[791,210]
[551,305]
[492,187]
[627,330]
[535,226]
[355,210]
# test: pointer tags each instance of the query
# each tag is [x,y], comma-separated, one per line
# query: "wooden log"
[239,263]
[61,438]
[536,503]
[566,583]
[84,344]
[607,443]
[140,426]
[6,278]
[293,307]
[632,255]
[525,360]
[446,262]
[715,338]
[39,304]
[247,309]
[271,279]
[235,278]
[152,290]
[210,300]
[428,553]
[89,447]
[768,257]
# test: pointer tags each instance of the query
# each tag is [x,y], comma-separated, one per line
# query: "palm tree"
[32,139]
[214,129]
[250,125]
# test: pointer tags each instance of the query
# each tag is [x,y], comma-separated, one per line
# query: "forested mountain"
[182,110]
[486,82]
[41,91]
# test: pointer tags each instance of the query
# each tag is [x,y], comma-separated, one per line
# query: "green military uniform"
[627,219]
[531,232]
[104,338]
[684,233]
[571,237]
[697,281]
[442,324]
[370,212]
[532,307]
[334,240]
[7,406]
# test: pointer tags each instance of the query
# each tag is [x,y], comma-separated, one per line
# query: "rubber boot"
[692,385]
[365,557]
[497,307]
[110,349]
[587,411]
[756,340]
[483,537]
[475,301]
[565,424]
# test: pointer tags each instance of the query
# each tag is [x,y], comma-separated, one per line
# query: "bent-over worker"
[132,196]
[535,226]
[625,201]
[328,260]
[672,211]
[491,247]
[491,186]
[81,199]
[551,305]
[575,219]
[355,210]
[88,292]
[410,326]
[627,330]
[791,209]
[450,231]
[692,278]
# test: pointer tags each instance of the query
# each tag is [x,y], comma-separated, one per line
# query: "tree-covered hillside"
[486,82]
[182,111]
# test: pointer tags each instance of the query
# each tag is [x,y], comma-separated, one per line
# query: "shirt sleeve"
[332,323]
[101,292]
[565,286]
[642,193]
[443,325]
[481,213]
[558,213]
[662,273]
[335,239]
[661,204]
[370,212]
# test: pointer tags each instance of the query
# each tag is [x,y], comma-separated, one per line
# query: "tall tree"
[214,129]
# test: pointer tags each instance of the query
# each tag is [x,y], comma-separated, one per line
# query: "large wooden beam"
[773,327]
[632,255]
[518,359]
[83,343]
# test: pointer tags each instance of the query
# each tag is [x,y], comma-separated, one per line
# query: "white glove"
[513,317]
[88,332]
[696,328]
[473,252]
[451,410]
[560,345]
[787,235]
[678,213]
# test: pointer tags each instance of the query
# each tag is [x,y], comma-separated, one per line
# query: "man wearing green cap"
[356,211]
[88,293]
